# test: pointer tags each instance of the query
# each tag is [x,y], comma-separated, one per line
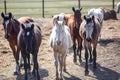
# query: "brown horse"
[29,40]
[74,21]
[90,31]
[11,29]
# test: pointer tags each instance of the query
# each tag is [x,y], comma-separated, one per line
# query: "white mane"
[97,12]
[118,7]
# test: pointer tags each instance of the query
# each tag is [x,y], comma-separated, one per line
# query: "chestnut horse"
[74,21]
[11,29]
[90,31]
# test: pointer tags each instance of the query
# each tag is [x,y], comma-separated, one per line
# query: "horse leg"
[25,63]
[64,61]
[21,61]
[94,55]
[86,59]
[90,50]
[74,49]
[56,64]
[36,63]
[16,56]
[61,57]
[79,48]
[28,61]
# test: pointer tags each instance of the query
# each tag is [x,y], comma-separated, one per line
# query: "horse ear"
[85,17]
[32,26]
[93,17]
[80,8]
[10,15]
[73,9]
[23,27]
[57,17]
[2,14]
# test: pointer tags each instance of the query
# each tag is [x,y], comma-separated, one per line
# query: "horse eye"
[3,23]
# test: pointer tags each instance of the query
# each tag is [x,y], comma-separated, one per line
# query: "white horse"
[118,7]
[98,13]
[60,41]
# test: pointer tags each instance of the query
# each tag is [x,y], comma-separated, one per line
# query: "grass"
[33,8]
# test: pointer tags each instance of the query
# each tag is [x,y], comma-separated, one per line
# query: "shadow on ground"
[43,73]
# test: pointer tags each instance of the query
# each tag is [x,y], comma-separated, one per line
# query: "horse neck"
[15,26]
[94,33]
[75,19]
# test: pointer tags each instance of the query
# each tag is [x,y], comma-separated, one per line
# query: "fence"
[35,8]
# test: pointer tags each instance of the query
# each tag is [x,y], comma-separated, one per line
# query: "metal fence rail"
[47,8]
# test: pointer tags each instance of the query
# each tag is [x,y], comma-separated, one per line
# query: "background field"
[33,8]
[108,49]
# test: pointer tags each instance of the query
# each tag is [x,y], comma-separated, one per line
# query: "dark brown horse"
[74,21]
[11,29]
[29,40]
[89,31]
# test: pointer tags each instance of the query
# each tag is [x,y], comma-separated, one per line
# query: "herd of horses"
[24,35]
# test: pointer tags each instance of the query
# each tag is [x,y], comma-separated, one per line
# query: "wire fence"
[34,8]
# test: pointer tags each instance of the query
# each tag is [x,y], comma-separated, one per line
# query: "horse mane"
[95,24]
[15,24]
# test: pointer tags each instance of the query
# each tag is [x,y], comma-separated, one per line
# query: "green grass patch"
[33,8]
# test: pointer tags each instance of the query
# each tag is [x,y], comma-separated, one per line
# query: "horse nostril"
[88,39]
[6,36]
[58,42]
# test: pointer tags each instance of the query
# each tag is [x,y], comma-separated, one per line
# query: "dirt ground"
[108,56]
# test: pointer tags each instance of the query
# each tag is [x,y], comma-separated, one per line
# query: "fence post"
[5,6]
[43,8]
[113,4]
[78,3]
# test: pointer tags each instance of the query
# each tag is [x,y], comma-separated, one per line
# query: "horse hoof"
[61,78]
[16,73]
[75,61]
[57,78]
[80,60]
[86,72]
[90,61]
[94,67]
[64,70]
[38,78]
[21,65]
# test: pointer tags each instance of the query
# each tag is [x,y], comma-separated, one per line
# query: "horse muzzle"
[88,39]
[58,43]
[7,36]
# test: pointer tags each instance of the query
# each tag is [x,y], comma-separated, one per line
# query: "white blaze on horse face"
[89,30]
[28,33]
[59,34]
[6,23]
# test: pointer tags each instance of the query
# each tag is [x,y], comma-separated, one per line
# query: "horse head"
[7,23]
[77,16]
[28,36]
[89,27]
[59,29]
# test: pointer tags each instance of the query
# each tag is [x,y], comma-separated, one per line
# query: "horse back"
[38,35]
[23,20]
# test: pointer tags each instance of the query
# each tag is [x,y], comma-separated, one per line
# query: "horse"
[29,40]
[73,21]
[11,29]
[118,7]
[98,13]
[89,31]
[109,14]
[60,42]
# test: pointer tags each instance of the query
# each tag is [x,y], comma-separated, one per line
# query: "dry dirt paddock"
[108,56]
